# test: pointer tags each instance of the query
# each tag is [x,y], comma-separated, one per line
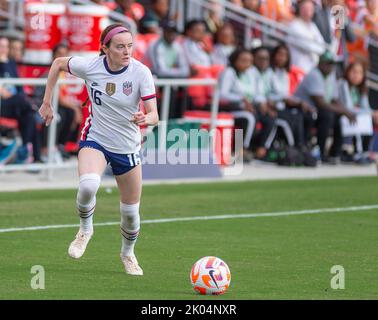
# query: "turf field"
[283,256]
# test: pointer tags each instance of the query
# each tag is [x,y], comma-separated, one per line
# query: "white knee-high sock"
[130,225]
[86,200]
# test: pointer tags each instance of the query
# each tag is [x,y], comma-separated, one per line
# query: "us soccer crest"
[110,88]
[127,88]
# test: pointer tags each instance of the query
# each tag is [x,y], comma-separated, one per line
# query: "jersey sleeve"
[147,87]
[78,66]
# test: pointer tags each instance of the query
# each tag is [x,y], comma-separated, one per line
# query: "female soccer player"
[116,83]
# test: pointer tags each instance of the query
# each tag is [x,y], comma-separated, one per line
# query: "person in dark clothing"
[320,90]
[325,18]
[153,19]
[15,105]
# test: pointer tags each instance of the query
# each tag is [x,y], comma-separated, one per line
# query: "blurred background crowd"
[294,75]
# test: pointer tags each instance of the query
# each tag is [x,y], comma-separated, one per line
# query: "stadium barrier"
[166,84]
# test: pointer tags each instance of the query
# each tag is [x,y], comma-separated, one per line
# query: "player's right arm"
[46,110]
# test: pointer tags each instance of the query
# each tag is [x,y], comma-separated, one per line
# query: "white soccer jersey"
[115,97]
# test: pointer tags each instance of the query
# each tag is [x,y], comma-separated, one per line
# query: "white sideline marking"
[219,217]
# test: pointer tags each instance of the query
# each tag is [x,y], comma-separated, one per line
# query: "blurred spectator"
[167,60]
[195,47]
[333,34]
[237,2]
[353,94]
[198,48]
[152,20]
[266,113]
[320,90]
[167,56]
[253,5]
[236,95]
[246,37]
[367,28]
[15,105]
[224,44]
[69,109]
[16,50]
[130,9]
[306,42]
[368,16]
[295,111]
[279,10]
[214,17]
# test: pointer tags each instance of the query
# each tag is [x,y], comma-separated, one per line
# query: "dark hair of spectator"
[106,31]
[258,49]
[224,26]
[362,87]
[298,4]
[57,47]
[235,56]
[190,24]
[275,51]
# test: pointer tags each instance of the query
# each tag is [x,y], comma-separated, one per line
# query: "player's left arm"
[150,118]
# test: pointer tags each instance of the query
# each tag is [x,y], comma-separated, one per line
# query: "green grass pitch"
[283,257]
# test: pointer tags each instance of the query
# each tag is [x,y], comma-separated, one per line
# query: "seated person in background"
[196,49]
[236,95]
[69,109]
[167,60]
[306,42]
[130,9]
[166,55]
[289,107]
[320,90]
[198,54]
[15,105]
[16,50]
[152,20]
[224,44]
[353,95]
[266,112]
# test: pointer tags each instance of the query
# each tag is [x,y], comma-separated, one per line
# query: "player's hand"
[46,113]
[139,118]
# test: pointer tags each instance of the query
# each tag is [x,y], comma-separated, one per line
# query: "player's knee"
[130,214]
[88,186]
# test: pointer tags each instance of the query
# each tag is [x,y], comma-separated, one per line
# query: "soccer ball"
[210,275]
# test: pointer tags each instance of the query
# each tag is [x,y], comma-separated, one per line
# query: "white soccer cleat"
[78,246]
[131,265]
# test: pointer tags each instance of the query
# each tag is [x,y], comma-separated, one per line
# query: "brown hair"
[362,88]
[106,31]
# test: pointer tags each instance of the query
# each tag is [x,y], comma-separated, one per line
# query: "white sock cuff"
[90,176]
[124,207]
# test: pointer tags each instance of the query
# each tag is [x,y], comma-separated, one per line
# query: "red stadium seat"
[142,41]
[201,95]
[8,123]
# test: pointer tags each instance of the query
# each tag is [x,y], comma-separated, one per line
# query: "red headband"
[113,32]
